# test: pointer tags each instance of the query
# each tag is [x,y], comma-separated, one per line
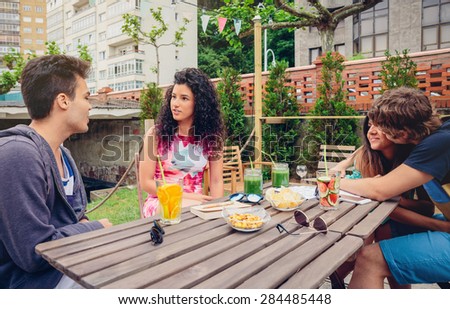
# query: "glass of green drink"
[280,175]
[253,181]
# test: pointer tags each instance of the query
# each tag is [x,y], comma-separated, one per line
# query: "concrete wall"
[107,149]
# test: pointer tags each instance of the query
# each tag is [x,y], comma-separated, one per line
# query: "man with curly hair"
[406,116]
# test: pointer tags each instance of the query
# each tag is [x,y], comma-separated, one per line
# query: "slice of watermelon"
[324,202]
[331,184]
[333,198]
[323,188]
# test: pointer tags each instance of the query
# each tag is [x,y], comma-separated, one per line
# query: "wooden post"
[257,90]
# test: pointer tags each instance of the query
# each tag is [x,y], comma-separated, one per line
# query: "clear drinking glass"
[301,171]
[170,198]
[328,187]
[253,181]
[280,175]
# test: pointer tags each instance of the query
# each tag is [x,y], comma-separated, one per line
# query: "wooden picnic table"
[199,253]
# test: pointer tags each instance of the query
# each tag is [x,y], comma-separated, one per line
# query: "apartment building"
[33,26]
[119,62]
[9,27]
[417,25]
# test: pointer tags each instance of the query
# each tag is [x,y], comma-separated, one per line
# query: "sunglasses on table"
[319,225]
[246,198]
[156,233]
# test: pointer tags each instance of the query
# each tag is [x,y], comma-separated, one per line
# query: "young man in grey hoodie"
[42,196]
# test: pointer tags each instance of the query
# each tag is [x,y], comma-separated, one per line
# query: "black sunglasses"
[156,233]
[302,219]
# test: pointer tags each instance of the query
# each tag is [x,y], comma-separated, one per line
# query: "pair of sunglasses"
[156,233]
[246,198]
[319,224]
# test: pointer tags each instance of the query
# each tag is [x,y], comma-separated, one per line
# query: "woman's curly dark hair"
[208,127]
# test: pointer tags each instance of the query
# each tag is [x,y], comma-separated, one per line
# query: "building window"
[102,55]
[27,19]
[26,8]
[340,48]
[39,9]
[314,53]
[370,30]
[101,36]
[26,29]
[435,24]
[40,30]
[39,20]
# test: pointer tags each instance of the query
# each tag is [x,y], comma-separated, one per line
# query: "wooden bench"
[334,154]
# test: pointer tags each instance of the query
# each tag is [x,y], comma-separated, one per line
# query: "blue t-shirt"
[432,156]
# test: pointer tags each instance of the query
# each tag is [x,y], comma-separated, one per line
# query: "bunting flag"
[222,21]
[205,21]
[237,25]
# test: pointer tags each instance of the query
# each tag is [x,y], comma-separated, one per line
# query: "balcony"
[118,40]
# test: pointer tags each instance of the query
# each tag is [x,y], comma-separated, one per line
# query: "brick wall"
[362,81]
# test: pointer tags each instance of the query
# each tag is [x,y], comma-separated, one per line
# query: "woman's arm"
[216,176]
[148,164]
[423,207]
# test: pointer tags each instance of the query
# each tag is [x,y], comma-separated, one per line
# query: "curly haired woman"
[188,135]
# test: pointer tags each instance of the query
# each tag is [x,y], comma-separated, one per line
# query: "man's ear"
[62,101]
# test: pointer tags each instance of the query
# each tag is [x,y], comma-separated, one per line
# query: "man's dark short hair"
[45,77]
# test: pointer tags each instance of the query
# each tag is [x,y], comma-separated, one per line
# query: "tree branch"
[320,8]
[352,9]
[290,10]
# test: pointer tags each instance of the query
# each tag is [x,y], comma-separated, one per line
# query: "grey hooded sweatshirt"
[34,208]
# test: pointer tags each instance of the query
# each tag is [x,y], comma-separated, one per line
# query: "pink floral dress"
[184,160]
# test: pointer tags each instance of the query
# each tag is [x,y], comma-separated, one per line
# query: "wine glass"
[301,171]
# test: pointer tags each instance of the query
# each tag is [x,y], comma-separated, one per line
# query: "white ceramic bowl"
[290,201]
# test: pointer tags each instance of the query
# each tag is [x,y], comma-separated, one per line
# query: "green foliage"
[331,102]
[121,207]
[230,97]
[15,62]
[7,82]
[288,14]
[132,27]
[84,53]
[53,48]
[151,101]
[358,56]
[279,100]
[398,70]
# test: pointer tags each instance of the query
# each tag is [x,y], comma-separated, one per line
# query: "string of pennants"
[221,22]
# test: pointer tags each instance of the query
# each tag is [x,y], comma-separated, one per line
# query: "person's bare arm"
[400,180]
[423,207]
[216,177]
[410,217]
[148,164]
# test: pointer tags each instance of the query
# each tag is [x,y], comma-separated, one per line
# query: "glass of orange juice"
[170,197]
